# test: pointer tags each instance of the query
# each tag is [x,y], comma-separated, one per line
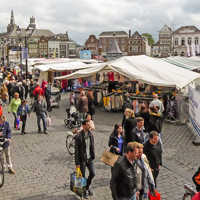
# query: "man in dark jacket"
[84,154]
[40,108]
[153,151]
[47,94]
[123,180]
[138,134]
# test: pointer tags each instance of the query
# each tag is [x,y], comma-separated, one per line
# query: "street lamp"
[25,50]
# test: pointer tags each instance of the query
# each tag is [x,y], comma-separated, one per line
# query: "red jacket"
[38,91]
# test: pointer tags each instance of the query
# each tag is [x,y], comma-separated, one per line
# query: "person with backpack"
[196,179]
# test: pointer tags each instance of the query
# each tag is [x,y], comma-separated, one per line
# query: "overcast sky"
[84,17]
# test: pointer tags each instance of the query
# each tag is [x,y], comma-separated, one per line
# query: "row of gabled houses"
[39,42]
[127,44]
[185,41]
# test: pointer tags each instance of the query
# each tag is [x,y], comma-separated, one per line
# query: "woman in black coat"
[116,140]
[91,105]
[129,123]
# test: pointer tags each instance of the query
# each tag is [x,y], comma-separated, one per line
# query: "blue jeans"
[43,117]
[90,165]
[133,197]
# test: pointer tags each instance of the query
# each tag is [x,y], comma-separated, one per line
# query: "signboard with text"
[85,54]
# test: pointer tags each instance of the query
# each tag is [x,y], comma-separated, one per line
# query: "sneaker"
[85,195]
[11,171]
[90,192]
[45,132]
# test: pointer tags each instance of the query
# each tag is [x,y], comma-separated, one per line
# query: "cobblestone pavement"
[43,165]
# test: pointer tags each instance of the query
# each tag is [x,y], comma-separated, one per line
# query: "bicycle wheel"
[1,173]
[70,144]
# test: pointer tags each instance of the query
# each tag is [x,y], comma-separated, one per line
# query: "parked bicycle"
[2,140]
[189,192]
[70,141]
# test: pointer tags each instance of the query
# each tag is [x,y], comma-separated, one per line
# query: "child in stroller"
[72,119]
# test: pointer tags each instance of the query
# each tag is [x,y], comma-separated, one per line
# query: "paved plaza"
[43,164]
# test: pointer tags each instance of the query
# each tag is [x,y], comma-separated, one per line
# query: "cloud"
[84,17]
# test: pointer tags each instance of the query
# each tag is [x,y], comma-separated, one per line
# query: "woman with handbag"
[116,140]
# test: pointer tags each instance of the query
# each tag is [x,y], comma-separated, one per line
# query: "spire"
[12,19]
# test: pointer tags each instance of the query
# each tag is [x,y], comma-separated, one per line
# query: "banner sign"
[194,109]
[85,54]
[24,53]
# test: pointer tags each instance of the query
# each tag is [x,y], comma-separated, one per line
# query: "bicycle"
[70,141]
[2,140]
[189,192]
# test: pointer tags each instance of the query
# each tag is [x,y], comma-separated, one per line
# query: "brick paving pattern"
[43,165]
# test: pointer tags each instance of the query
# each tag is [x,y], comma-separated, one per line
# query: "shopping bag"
[48,121]
[77,183]
[109,158]
[196,196]
[155,197]
[17,122]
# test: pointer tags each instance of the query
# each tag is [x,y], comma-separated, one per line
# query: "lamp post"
[25,51]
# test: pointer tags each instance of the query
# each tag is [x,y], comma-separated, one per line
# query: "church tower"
[12,24]
[32,24]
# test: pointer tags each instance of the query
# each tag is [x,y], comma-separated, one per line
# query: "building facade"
[106,39]
[186,41]
[43,47]
[163,48]
[92,44]
[165,41]
[136,45]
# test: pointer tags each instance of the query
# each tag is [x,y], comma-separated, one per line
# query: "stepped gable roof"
[165,28]
[187,30]
[111,33]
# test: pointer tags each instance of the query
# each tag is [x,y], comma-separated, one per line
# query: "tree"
[149,37]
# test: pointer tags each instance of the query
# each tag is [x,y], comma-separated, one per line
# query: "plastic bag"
[78,183]
[17,122]
[48,121]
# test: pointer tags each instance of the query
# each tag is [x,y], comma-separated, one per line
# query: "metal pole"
[26,46]
[21,58]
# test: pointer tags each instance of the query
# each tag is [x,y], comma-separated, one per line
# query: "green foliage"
[150,38]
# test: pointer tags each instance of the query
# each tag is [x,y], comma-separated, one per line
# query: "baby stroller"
[72,119]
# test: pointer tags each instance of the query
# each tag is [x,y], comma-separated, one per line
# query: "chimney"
[129,33]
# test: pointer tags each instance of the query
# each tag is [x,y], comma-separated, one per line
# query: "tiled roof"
[111,33]
[114,48]
[182,28]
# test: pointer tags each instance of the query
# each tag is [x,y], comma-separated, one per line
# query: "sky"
[84,17]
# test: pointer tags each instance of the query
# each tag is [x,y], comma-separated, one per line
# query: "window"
[183,41]
[189,41]
[196,41]
[176,41]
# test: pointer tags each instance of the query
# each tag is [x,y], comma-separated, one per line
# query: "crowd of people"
[21,97]
[137,140]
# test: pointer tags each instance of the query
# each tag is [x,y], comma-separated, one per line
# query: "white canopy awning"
[62,66]
[143,68]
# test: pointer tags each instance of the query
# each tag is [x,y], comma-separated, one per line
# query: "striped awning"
[183,62]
